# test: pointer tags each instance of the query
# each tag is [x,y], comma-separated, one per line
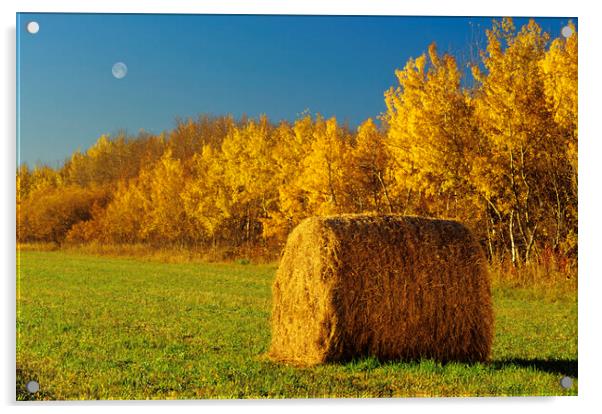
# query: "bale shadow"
[561,367]
[564,367]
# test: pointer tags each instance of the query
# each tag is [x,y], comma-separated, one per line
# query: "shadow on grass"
[561,366]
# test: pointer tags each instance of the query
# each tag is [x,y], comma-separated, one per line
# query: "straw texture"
[393,287]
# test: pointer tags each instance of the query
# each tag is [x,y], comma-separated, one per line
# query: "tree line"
[500,155]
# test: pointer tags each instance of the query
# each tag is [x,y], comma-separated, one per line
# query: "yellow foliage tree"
[121,222]
[559,67]
[291,145]
[369,170]
[522,138]
[249,175]
[165,219]
[431,134]
[322,177]
[205,196]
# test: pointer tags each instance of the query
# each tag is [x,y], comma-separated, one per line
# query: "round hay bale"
[392,287]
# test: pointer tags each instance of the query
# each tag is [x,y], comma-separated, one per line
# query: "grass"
[113,328]
[163,253]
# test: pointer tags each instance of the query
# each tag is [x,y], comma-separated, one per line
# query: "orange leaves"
[49,213]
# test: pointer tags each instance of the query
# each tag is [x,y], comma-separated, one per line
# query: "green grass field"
[103,328]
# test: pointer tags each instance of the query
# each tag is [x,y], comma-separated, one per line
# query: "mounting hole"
[566,382]
[33,387]
[33,27]
[567,31]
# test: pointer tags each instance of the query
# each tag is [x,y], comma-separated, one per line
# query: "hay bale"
[392,287]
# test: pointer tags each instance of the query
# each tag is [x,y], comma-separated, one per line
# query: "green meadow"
[92,327]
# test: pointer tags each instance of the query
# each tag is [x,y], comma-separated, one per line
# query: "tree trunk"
[558,214]
[385,192]
[407,203]
[489,235]
[511,234]
[333,197]
[530,244]
[248,226]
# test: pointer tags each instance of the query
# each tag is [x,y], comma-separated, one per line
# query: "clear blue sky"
[185,65]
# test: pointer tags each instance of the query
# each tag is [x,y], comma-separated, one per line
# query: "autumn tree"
[164,219]
[369,171]
[249,175]
[559,68]
[112,159]
[322,171]
[431,136]
[291,145]
[120,222]
[516,172]
[49,215]
[205,196]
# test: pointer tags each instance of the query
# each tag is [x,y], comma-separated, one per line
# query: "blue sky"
[185,65]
